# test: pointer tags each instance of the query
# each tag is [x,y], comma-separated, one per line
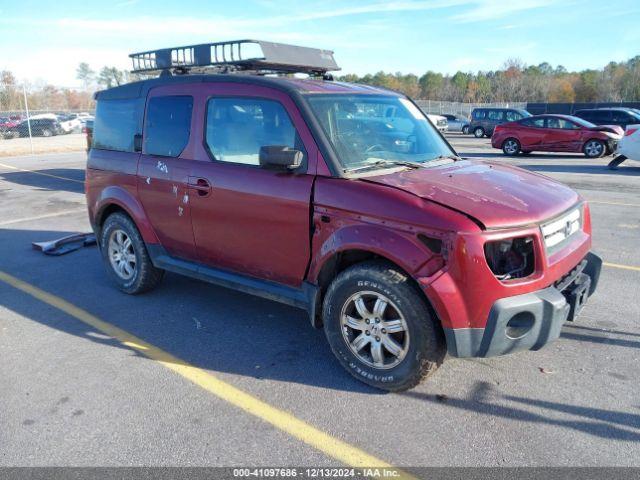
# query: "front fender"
[402,248]
[123,198]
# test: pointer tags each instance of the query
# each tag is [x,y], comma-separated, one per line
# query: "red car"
[556,133]
[340,199]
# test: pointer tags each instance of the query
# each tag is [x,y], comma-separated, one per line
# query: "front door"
[251,219]
[562,135]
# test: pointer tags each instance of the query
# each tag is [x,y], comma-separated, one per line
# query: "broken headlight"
[511,258]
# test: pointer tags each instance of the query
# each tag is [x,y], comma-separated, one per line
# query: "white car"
[628,146]
[439,121]
[70,123]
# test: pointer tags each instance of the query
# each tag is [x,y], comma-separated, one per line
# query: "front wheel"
[465,130]
[594,149]
[511,147]
[478,132]
[380,328]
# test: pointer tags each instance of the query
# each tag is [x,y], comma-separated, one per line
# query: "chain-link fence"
[459,108]
[43,120]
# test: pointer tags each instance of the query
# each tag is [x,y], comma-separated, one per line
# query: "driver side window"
[236,128]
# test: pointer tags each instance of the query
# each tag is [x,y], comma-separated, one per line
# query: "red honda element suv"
[341,199]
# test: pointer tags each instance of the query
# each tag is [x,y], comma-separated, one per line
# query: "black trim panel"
[305,297]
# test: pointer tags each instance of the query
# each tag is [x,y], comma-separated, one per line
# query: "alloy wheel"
[374,329]
[121,254]
[511,147]
[593,148]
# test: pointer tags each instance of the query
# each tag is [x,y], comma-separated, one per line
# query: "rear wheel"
[511,147]
[125,256]
[465,129]
[380,328]
[594,148]
[478,132]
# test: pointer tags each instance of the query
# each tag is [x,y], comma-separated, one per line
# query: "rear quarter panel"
[111,180]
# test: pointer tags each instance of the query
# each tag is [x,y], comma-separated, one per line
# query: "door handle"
[200,185]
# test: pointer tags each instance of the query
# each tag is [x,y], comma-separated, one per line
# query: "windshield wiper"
[379,163]
[455,158]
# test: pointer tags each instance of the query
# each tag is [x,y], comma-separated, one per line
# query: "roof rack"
[237,55]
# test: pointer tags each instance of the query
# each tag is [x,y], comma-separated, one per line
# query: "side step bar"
[307,297]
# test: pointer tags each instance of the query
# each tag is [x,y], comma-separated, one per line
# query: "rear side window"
[167,125]
[238,127]
[115,124]
[596,116]
[479,114]
[619,116]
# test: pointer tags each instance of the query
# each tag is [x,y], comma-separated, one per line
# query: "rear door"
[246,218]
[531,133]
[163,169]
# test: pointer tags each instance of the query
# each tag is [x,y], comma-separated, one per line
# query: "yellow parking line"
[624,267]
[40,173]
[40,217]
[312,436]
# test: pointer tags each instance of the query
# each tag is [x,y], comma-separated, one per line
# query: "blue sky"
[44,41]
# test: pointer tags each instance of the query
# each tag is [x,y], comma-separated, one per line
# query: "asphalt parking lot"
[219,378]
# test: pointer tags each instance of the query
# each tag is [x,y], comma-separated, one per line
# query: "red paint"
[497,195]
[545,139]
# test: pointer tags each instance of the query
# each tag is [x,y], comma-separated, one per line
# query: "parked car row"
[43,124]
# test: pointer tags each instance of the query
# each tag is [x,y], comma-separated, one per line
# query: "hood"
[608,128]
[496,195]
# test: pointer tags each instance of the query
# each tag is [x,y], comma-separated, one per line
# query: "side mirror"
[280,156]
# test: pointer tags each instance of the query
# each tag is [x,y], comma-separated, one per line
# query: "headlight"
[510,258]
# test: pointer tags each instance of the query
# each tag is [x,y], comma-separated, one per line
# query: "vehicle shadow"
[485,400]
[57,179]
[602,330]
[571,334]
[213,328]
[590,169]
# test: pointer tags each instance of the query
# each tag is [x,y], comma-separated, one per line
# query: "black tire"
[511,147]
[594,148]
[465,130]
[424,345]
[478,132]
[46,132]
[145,276]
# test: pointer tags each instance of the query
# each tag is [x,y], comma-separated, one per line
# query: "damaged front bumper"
[531,320]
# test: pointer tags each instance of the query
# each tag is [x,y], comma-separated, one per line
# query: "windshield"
[377,130]
[582,122]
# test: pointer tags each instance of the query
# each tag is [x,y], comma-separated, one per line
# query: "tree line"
[517,82]
[513,82]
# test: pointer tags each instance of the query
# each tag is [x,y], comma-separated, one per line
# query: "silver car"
[457,123]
